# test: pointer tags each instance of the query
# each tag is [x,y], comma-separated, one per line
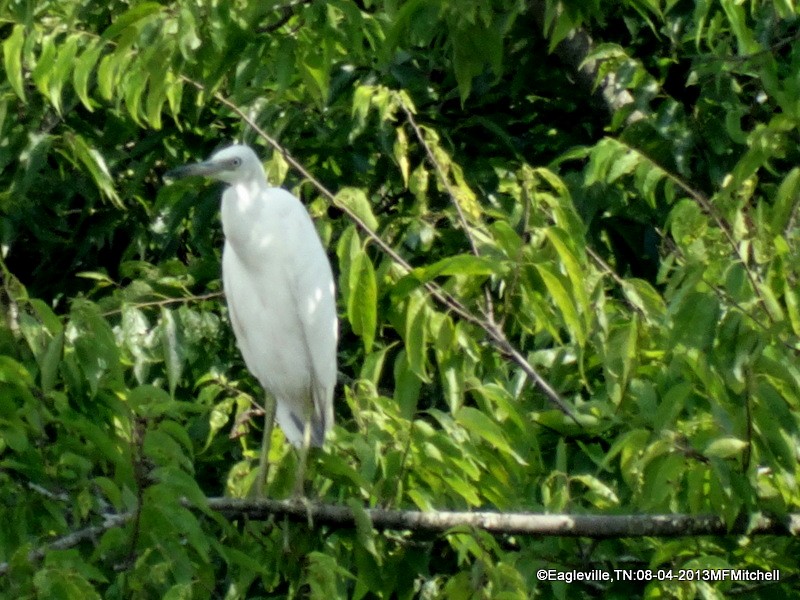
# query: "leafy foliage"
[645,265]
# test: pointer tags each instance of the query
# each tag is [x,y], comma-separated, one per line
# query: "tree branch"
[76,537]
[595,527]
[166,302]
[462,219]
[574,50]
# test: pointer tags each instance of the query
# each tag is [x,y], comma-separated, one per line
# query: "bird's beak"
[202,169]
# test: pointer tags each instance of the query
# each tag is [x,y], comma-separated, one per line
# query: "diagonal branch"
[462,219]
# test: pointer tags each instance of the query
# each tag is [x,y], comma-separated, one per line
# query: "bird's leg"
[260,486]
[299,482]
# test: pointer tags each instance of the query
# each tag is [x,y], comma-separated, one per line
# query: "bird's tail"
[293,424]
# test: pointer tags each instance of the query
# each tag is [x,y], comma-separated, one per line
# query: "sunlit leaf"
[12,59]
[172,346]
[362,299]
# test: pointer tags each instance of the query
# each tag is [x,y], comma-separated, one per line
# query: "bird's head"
[234,164]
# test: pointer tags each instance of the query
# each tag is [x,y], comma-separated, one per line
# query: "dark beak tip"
[176,173]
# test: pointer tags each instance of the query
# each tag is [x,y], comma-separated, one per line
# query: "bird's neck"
[242,210]
[244,196]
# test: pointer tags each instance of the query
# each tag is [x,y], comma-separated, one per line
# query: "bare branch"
[498,523]
[595,527]
[77,537]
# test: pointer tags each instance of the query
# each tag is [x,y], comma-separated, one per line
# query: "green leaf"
[687,221]
[50,361]
[695,322]
[172,347]
[461,264]
[132,16]
[182,483]
[355,202]
[557,290]
[364,530]
[43,70]
[407,386]
[738,21]
[159,82]
[372,367]
[108,72]
[416,335]
[598,493]
[12,60]
[179,591]
[643,296]
[46,316]
[418,185]
[564,245]
[400,151]
[80,153]
[323,575]
[84,68]
[150,401]
[174,95]
[348,250]
[480,425]
[622,165]
[63,583]
[473,47]
[133,88]
[62,70]
[362,299]
[726,447]
[95,345]
[135,330]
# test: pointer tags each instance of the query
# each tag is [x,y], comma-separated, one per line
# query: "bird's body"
[283,312]
[280,292]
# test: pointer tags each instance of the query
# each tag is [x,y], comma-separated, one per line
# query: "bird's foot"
[304,503]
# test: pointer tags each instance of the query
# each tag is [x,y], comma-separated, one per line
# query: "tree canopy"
[565,238]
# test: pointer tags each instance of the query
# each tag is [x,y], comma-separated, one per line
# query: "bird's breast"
[255,226]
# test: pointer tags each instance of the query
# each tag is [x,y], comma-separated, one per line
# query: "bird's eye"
[236,162]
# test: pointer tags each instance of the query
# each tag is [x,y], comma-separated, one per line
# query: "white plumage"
[280,292]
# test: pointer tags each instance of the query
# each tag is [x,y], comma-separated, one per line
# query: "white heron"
[280,293]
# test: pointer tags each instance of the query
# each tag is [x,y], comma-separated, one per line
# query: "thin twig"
[465,227]
[605,267]
[165,302]
[710,210]
[743,58]
[723,295]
